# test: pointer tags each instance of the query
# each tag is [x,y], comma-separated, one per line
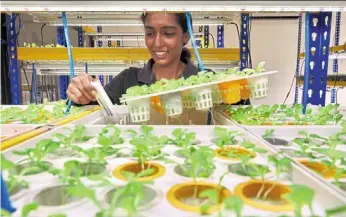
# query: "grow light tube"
[126,22]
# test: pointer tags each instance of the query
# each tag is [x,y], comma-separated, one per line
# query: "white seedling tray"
[326,197]
[230,78]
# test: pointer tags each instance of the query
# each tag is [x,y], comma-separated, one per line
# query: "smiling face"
[164,38]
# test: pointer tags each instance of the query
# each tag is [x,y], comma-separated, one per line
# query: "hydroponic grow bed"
[12,130]
[322,149]
[209,151]
[280,115]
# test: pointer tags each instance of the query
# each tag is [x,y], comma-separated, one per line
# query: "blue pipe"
[188,20]
[69,49]
[307,61]
[33,81]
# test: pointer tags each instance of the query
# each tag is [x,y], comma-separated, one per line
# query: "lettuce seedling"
[36,155]
[145,149]
[199,163]
[225,137]
[252,147]
[110,135]
[71,173]
[282,165]
[12,181]
[10,114]
[268,133]
[28,208]
[299,196]
[182,137]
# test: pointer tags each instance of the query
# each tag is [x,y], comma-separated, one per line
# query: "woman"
[166,34]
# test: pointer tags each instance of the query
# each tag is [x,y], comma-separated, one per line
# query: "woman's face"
[164,37]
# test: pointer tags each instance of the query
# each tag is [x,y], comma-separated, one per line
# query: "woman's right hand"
[80,90]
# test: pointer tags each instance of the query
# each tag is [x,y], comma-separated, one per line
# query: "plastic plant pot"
[217,95]
[274,202]
[259,87]
[172,104]
[245,171]
[181,196]
[179,170]
[188,99]
[223,152]
[318,167]
[151,196]
[203,97]
[277,141]
[139,110]
[136,167]
[230,92]
[245,90]
[156,104]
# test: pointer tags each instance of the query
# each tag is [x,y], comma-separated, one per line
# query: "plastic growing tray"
[230,78]
[160,206]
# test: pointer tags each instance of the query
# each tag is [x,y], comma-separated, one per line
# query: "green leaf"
[57,215]
[268,133]
[259,150]
[299,196]
[104,140]
[211,194]
[128,175]
[204,209]
[6,164]
[29,208]
[81,191]
[235,204]
[5,213]
[145,173]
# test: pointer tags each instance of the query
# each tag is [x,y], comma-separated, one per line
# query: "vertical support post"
[298,58]
[244,40]
[220,36]
[100,44]
[335,61]
[16,92]
[34,83]
[80,36]
[63,79]
[109,43]
[317,38]
[118,43]
[198,41]
[206,36]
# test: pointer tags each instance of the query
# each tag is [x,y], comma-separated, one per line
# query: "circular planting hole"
[148,193]
[264,195]
[186,196]
[244,170]
[65,152]
[135,167]
[277,141]
[92,169]
[14,190]
[233,153]
[55,196]
[29,168]
[183,171]
[318,168]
